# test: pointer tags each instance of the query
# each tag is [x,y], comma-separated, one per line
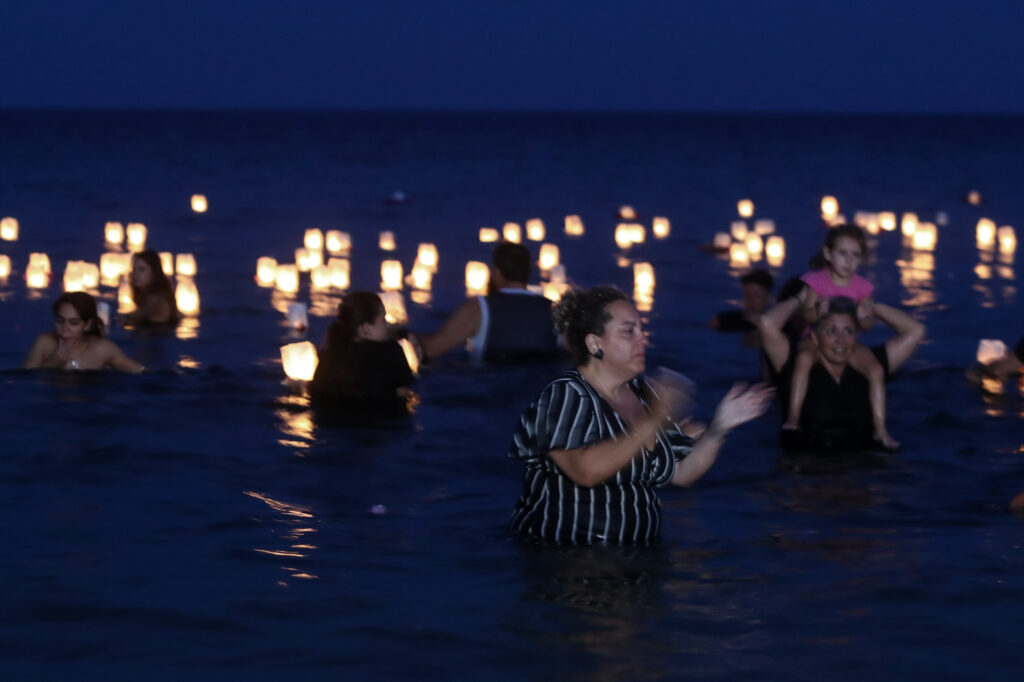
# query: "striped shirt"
[624,509]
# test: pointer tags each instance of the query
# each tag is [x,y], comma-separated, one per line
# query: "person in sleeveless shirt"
[77,341]
[599,439]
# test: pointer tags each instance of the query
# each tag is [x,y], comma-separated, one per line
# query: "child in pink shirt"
[844,248]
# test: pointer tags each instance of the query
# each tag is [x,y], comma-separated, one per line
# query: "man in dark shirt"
[757,297]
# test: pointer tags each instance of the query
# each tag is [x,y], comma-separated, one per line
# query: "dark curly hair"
[584,311]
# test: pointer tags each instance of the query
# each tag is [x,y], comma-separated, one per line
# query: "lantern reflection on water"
[549,257]
[135,234]
[535,229]
[5,266]
[299,360]
[661,227]
[340,270]
[643,276]
[745,207]
[337,242]
[478,276]
[512,232]
[286,278]
[266,271]
[386,240]
[574,225]
[186,295]
[990,350]
[113,233]
[829,208]
[199,204]
[488,234]
[185,265]
[313,239]
[167,262]
[9,229]
[394,307]
[1007,239]
[775,251]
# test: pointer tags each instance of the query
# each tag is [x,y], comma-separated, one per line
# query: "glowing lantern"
[167,262]
[5,266]
[266,271]
[661,227]
[745,207]
[313,239]
[337,242]
[909,224]
[549,257]
[410,355]
[199,204]
[924,237]
[320,278]
[723,240]
[574,225]
[623,235]
[738,229]
[990,350]
[1007,239]
[829,208]
[887,221]
[867,221]
[299,360]
[535,229]
[643,277]
[420,276]
[286,278]
[305,260]
[340,270]
[764,226]
[512,232]
[135,233]
[557,273]
[974,197]
[386,241]
[185,264]
[90,275]
[755,246]
[626,212]
[36,277]
[427,255]
[297,317]
[394,307]
[985,233]
[73,276]
[478,275]
[40,260]
[391,275]
[983,271]
[488,234]
[113,233]
[553,290]
[187,297]
[9,229]
[738,255]
[775,250]
[125,302]
[110,268]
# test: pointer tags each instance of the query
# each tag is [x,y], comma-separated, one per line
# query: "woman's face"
[836,338]
[844,258]
[142,274]
[624,342]
[376,330]
[68,324]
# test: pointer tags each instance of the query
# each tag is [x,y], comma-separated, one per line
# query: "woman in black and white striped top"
[598,440]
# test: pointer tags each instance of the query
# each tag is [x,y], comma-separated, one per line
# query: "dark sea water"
[194,522]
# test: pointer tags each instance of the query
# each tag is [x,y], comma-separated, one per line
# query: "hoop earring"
[598,354]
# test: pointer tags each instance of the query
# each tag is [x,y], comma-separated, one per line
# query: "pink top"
[858,289]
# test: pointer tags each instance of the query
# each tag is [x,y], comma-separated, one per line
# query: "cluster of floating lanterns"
[745,244]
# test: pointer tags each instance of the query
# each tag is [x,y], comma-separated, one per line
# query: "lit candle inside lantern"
[990,350]
[185,264]
[313,239]
[420,276]
[908,226]
[738,229]
[478,275]
[535,229]
[9,229]
[887,221]
[829,208]
[985,233]
[340,270]
[135,234]
[113,233]
[549,257]
[755,246]
[40,260]
[299,360]
[738,255]
[924,237]
[512,232]
[661,227]
[90,275]
[764,226]
[488,234]
[125,302]
[266,271]
[574,225]
[297,317]
[775,250]
[394,307]
[320,278]
[723,240]
[338,243]
[286,279]
[199,204]
[627,212]
[5,266]
[391,275]
[167,262]
[73,276]
[643,277]
[745,207]
[36,277]
[427,255]
[186,295]
[1007,239]
[386,240]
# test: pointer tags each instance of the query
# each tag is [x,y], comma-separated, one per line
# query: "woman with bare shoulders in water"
[77,341]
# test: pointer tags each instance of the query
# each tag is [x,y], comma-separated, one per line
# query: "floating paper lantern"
[167,262]
[1007,239]
[775,250]
[299,360]
[974,197]
[512,232]
[868,221]
[340,270]
[553,290]
[73,276]
[909,224]
[745,207]
[623,235]
[304,259]
[186,295]
[135,235]
[386,240]
[924,237]
[829,208]
[627,212]
[313,239]
[266,271]
[320,278]
[9,229]
[5,266]
[420,276]
[489,234]
[990,350]
[549,257]
[427,255]
[337,242]
[90,275]
[985,233]
[36,277]
[110,268]
[125,302]
[941,218]
[764,226]
[755,246]
[722,241]
[40,260]
[738,230]
[887,221]
[410,355]
[738,255]
[286,278]
[199,204]
[394,307]
[574,225]
[113,233]
[661,227]
[297,316]
[391,275]
[643,276]
[535,229]
[185,264]
[478,276]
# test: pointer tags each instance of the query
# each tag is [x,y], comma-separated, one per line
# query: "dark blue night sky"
[694,55]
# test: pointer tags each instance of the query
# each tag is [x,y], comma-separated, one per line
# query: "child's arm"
[809,300]
[798,386]
[866,313]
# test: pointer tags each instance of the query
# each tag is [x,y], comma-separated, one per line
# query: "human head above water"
[837,305]
[85,307]
[358,308]
[757,291]
[581,312]
[832,239]
[148,276]
[512,261]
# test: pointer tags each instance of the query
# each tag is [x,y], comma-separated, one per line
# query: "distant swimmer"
[77,341]
[151,292]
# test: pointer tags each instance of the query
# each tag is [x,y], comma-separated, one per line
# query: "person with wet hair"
[77,341]
[756,287]
[600,439]
[151,292]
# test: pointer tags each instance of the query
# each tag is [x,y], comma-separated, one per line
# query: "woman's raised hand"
[740,405]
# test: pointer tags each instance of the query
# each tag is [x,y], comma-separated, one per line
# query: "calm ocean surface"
[193,521]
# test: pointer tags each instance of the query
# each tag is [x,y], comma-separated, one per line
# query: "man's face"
[755,298]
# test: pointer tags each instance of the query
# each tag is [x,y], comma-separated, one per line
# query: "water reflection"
[916,268]
[298,520]
[188,328]
[295,422]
